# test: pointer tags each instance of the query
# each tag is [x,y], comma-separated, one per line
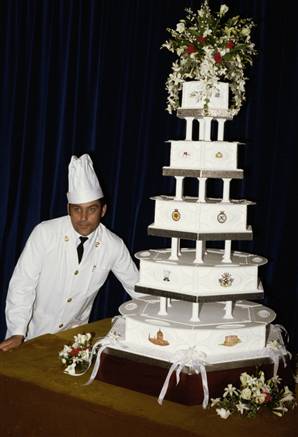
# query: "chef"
[65,262]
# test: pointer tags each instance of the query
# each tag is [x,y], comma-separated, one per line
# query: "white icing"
[144,253]
[207,155]
[225,330]
[192,96]
[263,313]
[199,217]
[131,306]
[157,322]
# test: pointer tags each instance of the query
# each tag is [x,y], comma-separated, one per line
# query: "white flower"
[214,401]
[180,50]
[246,394]
[84,355]
[180,27]
[279,411]
[223,10]
[230,390]
[260,398]
[71,369]
[245,31]
[223,413]
[207,32]
[245,378]
[276,380]
[287,396]
[241,407]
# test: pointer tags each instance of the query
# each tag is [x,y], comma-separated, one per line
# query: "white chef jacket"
[50,291]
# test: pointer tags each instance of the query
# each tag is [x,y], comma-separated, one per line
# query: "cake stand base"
[147,375]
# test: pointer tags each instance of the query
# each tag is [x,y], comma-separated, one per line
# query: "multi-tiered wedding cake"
[199,306]
[195,312]
[196,296]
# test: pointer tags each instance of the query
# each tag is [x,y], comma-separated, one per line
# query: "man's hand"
[11,343]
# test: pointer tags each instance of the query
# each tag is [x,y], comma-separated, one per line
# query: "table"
[38,399]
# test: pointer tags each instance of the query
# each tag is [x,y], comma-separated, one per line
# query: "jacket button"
[69,299]
[61,325]
[76,272]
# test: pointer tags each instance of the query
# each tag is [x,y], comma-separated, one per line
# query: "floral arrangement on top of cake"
[254,393]
[210,48]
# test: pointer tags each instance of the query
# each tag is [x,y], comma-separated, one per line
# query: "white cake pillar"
[202,189]
[228,310]
[220,129]
[226,190]
[227,253]
[179,187]
[201,128]
[195,312]
[189,122]
[207,128]
[200,251]
[169,302]
[175,249]
[163,306]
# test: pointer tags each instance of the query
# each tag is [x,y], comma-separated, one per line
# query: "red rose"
[74,352]
[268,397]
[217,57]
[230,44]
[201,39]
[191,49]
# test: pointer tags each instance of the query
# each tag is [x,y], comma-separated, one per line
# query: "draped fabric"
[83,76]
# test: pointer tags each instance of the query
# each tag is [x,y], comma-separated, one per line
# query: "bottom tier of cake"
[147,369]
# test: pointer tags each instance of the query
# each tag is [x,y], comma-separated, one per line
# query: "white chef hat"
[83,185]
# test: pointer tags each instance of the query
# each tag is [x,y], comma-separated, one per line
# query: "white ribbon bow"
[277,351]
[109,340]
[193,359]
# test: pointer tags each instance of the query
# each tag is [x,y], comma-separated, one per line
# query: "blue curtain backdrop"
[88,77]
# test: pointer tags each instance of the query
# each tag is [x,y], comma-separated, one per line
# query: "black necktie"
[80,248]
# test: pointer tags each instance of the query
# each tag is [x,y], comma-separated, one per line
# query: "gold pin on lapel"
[66,238]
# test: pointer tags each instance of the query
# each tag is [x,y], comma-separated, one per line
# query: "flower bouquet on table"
[254,393]
[210,48]
[77,357]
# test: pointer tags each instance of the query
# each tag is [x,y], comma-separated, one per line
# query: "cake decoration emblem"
[176,216]
[231,340]
[226,280]
[158,339]
[218,155]
[166,275]
[222,217]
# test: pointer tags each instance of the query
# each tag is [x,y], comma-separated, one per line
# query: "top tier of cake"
[192,96]
[192,108]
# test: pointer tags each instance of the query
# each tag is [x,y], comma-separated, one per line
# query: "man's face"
[85,217]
